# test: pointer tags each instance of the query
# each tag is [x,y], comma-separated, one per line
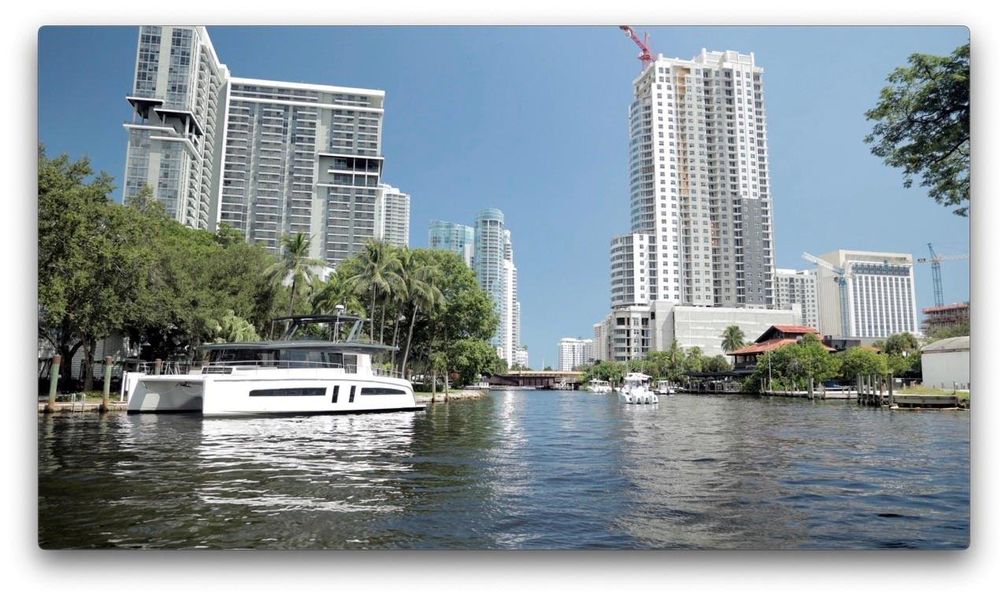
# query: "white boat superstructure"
[599,386]
[635,389]
[289,376]
[664,388]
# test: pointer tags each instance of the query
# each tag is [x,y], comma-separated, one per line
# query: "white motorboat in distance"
[664,388]
[281,377]
[635,390]
[599,386]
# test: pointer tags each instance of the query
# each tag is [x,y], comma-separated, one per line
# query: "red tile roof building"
[777,336]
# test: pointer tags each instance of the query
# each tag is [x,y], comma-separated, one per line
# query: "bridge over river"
[543,380]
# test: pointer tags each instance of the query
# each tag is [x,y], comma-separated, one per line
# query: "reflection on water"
[517,470]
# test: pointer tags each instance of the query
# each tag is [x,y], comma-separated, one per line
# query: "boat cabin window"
[284,358]
[370,391]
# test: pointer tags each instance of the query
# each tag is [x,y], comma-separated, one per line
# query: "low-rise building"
[945,363]
[633,331]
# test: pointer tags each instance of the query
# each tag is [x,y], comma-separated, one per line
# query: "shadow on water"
[519,469]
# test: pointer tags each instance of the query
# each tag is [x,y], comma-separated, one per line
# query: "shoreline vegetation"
[798,366]
[130,269]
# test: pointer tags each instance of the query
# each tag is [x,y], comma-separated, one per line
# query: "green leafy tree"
[923,125]
[296,265]
[91,259]
[716,364]
[610,371]
[378,274]
[795,365]
[900,343]
[232,328]
[861,361]
[472,358]
[337,290]
[694,360]
[420,280]
[732,338]
[947,331]
[145,202]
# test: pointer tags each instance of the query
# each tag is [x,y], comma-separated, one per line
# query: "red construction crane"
[645,56]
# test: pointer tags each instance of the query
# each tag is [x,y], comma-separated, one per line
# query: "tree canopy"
[922,125]
[106,268]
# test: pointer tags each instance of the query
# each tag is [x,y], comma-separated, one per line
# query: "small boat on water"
[599,386]
[664,388]
[293,375]
[636,390]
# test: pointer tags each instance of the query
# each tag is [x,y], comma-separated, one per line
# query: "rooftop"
[952,344]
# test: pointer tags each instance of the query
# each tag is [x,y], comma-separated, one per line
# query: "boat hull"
[288,393]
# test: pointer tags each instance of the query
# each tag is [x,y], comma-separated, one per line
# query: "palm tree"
[338,290]
[378,274]
[421,292]
[295,265]
[732,338]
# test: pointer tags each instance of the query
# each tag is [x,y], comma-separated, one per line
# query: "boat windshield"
[283,358]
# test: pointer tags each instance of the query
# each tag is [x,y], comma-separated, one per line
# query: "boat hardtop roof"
[351,342]
[351,347]
[637,377]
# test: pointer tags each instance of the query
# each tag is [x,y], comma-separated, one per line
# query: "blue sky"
[533,120]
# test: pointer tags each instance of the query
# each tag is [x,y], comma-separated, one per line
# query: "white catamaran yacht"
[635,390]
[293,375]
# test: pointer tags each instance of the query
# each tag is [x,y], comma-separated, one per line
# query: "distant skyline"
[533,121]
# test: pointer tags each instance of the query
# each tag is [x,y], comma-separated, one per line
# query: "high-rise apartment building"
[574,352]
[487,249]
[699,186]
[460,239]
[512,307]
[392,212]
[179,100]
[878,296]
[302,158]
[498,276]
[521,357]
[798,287]
[269,158]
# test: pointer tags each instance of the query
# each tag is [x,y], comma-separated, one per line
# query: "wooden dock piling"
[54,370]
[106,384]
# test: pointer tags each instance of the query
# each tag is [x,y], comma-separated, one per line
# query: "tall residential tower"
[179,100]
[487,249]
[700,204]
[269,158]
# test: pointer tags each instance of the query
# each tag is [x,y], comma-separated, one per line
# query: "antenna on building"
[645,56]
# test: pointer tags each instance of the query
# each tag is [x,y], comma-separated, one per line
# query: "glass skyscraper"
[487,249]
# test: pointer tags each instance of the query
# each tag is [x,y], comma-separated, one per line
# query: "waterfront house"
[777,336]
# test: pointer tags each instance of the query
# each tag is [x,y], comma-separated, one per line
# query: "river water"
[516,470]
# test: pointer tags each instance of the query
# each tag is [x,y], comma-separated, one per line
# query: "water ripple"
[517,470]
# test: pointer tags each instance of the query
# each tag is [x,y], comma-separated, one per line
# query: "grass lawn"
[920,390]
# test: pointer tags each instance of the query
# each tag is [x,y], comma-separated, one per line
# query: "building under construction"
[949,315]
